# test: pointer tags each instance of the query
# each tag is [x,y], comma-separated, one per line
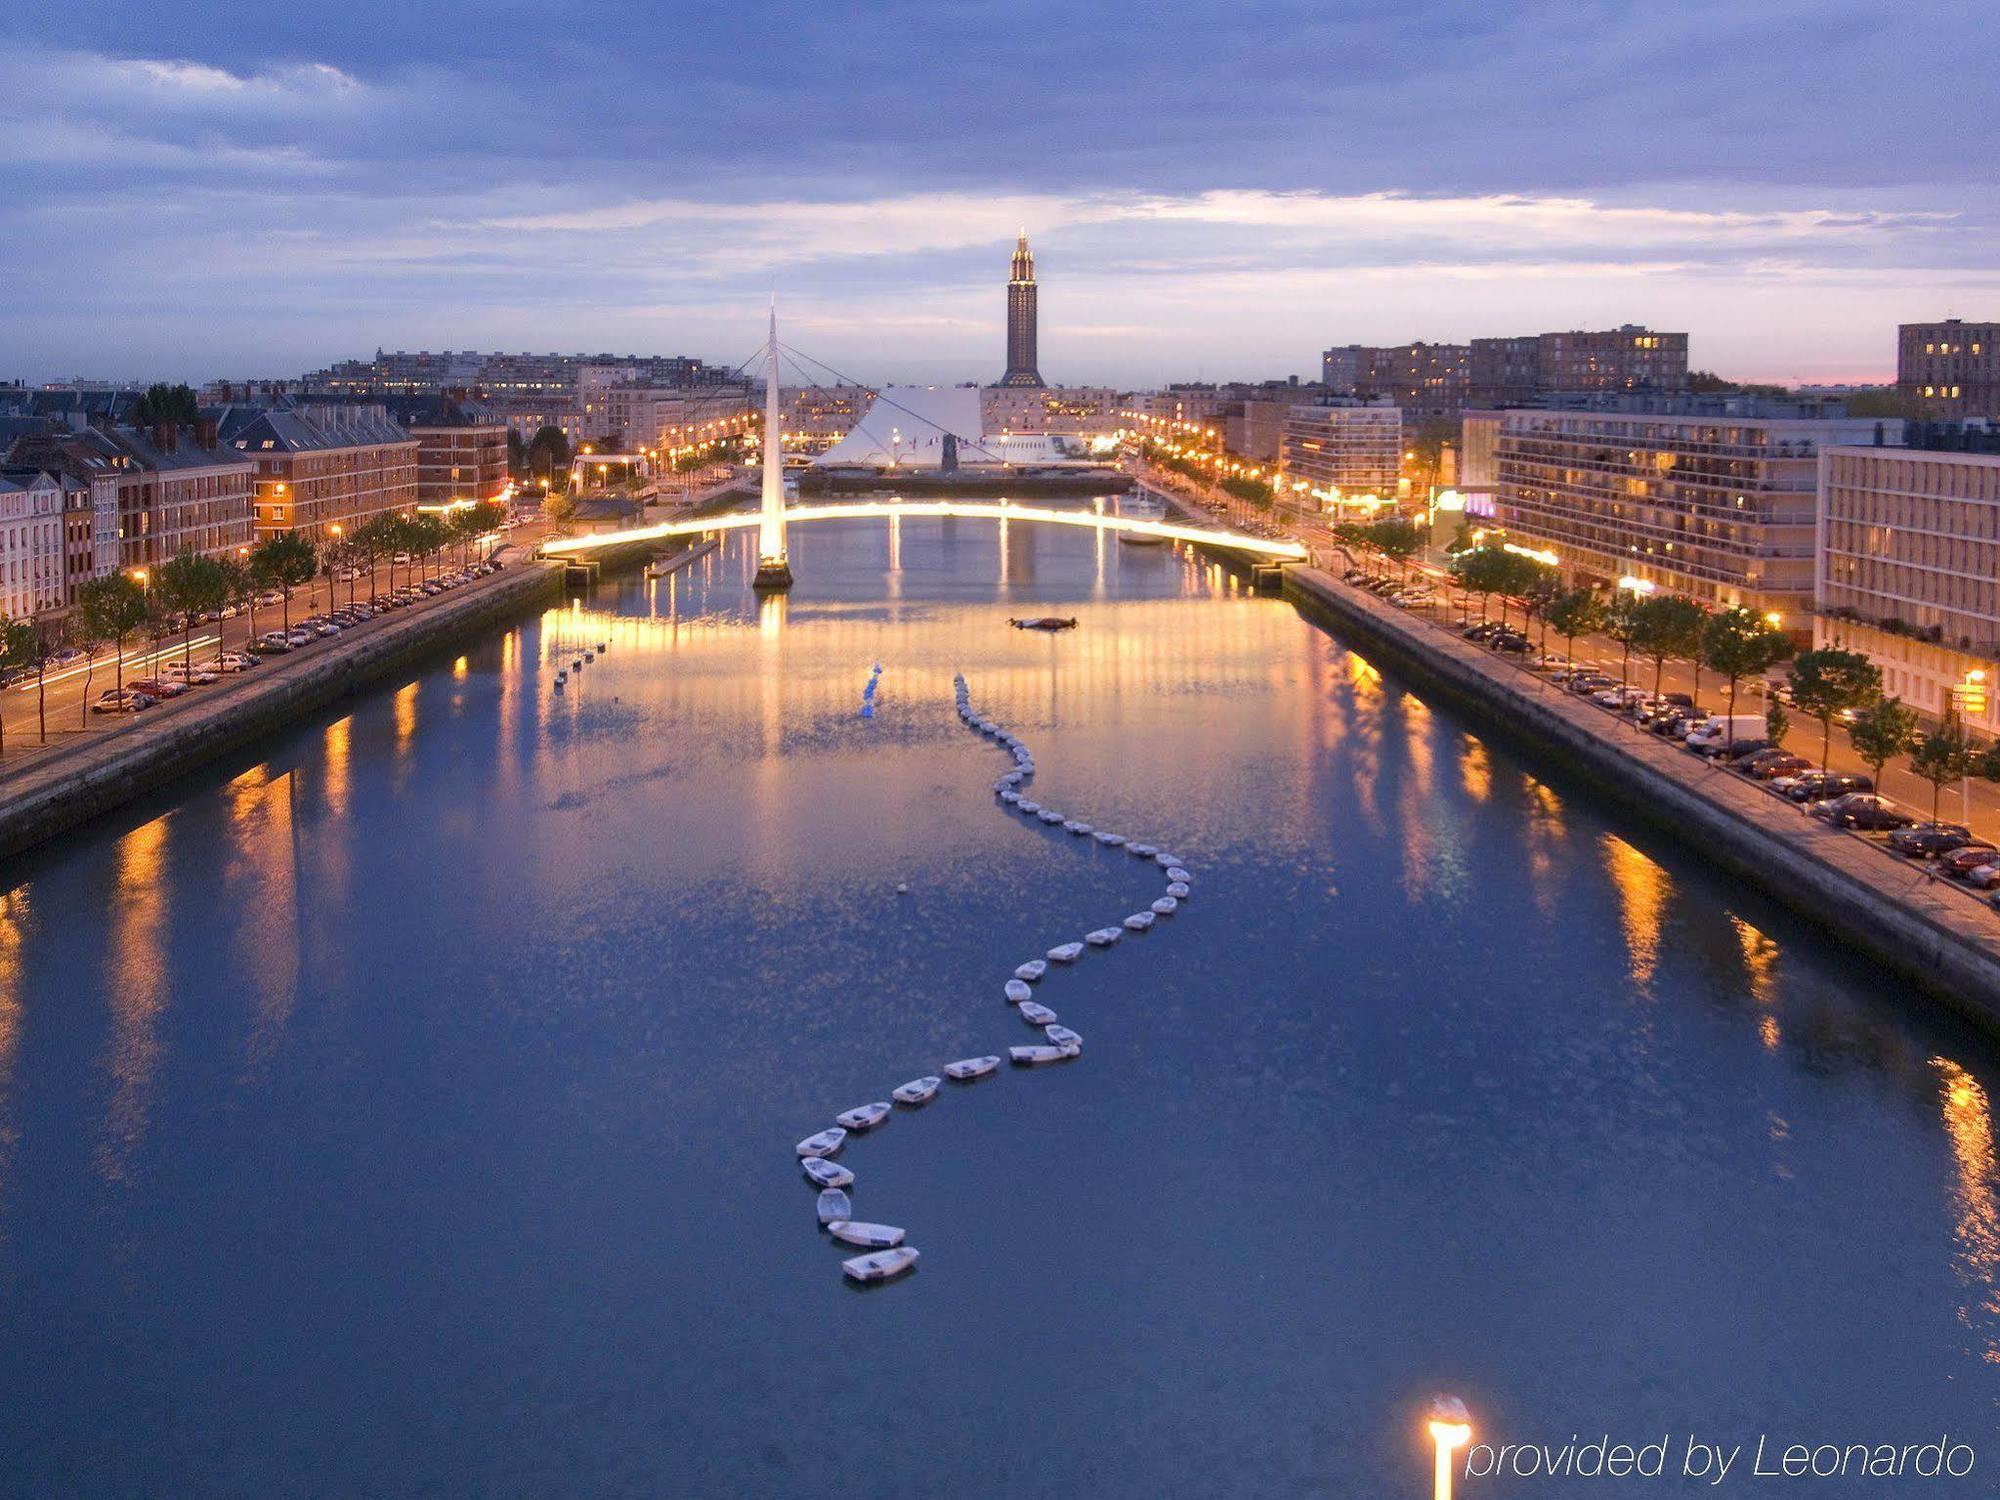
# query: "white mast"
[771,528]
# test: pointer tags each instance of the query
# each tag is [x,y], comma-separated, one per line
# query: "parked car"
[1583,684]
[195,675]
[1863,810]
[156,687]
[1766,765]
[1619,697]
[1960,863]
[1819,786]
[1719,730]
[300,638]
[232,661]
[1928,840]
[120,701]
[1739,750]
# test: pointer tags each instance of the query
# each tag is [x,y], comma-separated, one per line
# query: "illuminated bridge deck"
[988,510]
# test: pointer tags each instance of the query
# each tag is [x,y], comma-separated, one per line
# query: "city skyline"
[258,198]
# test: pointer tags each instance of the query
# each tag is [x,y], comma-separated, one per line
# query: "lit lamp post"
[1970,696]
[337,531]
[1451,1429]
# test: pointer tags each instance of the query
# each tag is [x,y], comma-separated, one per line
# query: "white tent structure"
[905,428]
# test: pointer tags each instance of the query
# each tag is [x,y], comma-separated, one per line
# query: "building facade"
[1712,497]
[1076,411]
[1439,380]
[1908,568]
[31,543]
[1950,370]
[1343,452]
[461,454]
[323,465]
[1023,312]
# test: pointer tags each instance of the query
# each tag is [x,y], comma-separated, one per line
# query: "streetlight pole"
[1451,1429]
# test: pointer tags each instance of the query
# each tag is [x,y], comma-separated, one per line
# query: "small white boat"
[1166,906]
[916,1091]
[1035,1057]
[1032,970]
[1049,815]
[823,1142]
[1110,840]
[1037,1014]
[1010,797]
[1179,876]
[863,1116]
[1027,805]
[1016,991]
[1013,778]
[1140,921]
[1104,937]
[968,1068]
[1066,953]
[1166,861]
[881,1266]
[1071,825]
[834,1205]
[867,1236]
[1179,890]
[1062,1036]
[1143,851]
[826,1174]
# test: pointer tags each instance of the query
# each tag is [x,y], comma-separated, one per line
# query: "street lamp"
[1451,1429]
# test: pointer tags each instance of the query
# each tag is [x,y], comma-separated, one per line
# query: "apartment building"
[1423,380]
[1343,452]
[1908,564]
[1950,370]
[1712,497]
[461,452]
[318,465]
[1074,411]
[1439,380]
[31,543]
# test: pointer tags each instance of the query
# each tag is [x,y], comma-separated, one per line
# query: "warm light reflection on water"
[1643,888]
[137,990]
[1968,1122]
[14,914]
[1760,963]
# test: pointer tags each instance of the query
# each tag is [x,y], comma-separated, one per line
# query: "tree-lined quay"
[155,635]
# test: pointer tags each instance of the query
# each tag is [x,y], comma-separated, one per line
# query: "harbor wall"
[1928,931]
[151,749]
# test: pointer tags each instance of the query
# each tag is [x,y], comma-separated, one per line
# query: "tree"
[1943,755]
[548,451]
[1623,622]
[45,638]
[517,455]
[112,608]
[161,402]
[1777,723]
[559,511]
[1881,732]
[1668,625]
[18,645]
[1576,613]
[1830,682]
[1738,643]
[1540,598]
[284,562]
[189,586]
[239,587]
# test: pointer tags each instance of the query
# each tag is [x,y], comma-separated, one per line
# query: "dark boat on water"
[1043,622]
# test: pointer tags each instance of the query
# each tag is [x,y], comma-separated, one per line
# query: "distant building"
[1023,353]
[1354,449]
[1078,411]
[1909,564]
[499,376]
[638,416]
[1440,380]
[1712,497]
[1423,380]
[321,464]
[814,417]
[1951,370]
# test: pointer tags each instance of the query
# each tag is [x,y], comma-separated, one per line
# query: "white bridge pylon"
[988,510]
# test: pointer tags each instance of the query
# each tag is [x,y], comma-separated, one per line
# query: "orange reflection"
[337,752]
[1475,769]
[264,880]
[1968,1121]
[1643,888]
[1545,830]
[137,924]
[13,918]
[1760,959]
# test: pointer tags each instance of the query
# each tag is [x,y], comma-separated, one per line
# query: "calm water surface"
[410,1111]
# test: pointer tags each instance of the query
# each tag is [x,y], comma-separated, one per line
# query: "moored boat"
[968,1068]
[823,1142]
[881,1266]
[864,1235]
[863,1116]
[916,1091]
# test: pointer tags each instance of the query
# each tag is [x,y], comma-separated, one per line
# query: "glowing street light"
[1451,1429]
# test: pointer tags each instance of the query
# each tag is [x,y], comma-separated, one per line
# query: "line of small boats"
[583,657]
[887,1256]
